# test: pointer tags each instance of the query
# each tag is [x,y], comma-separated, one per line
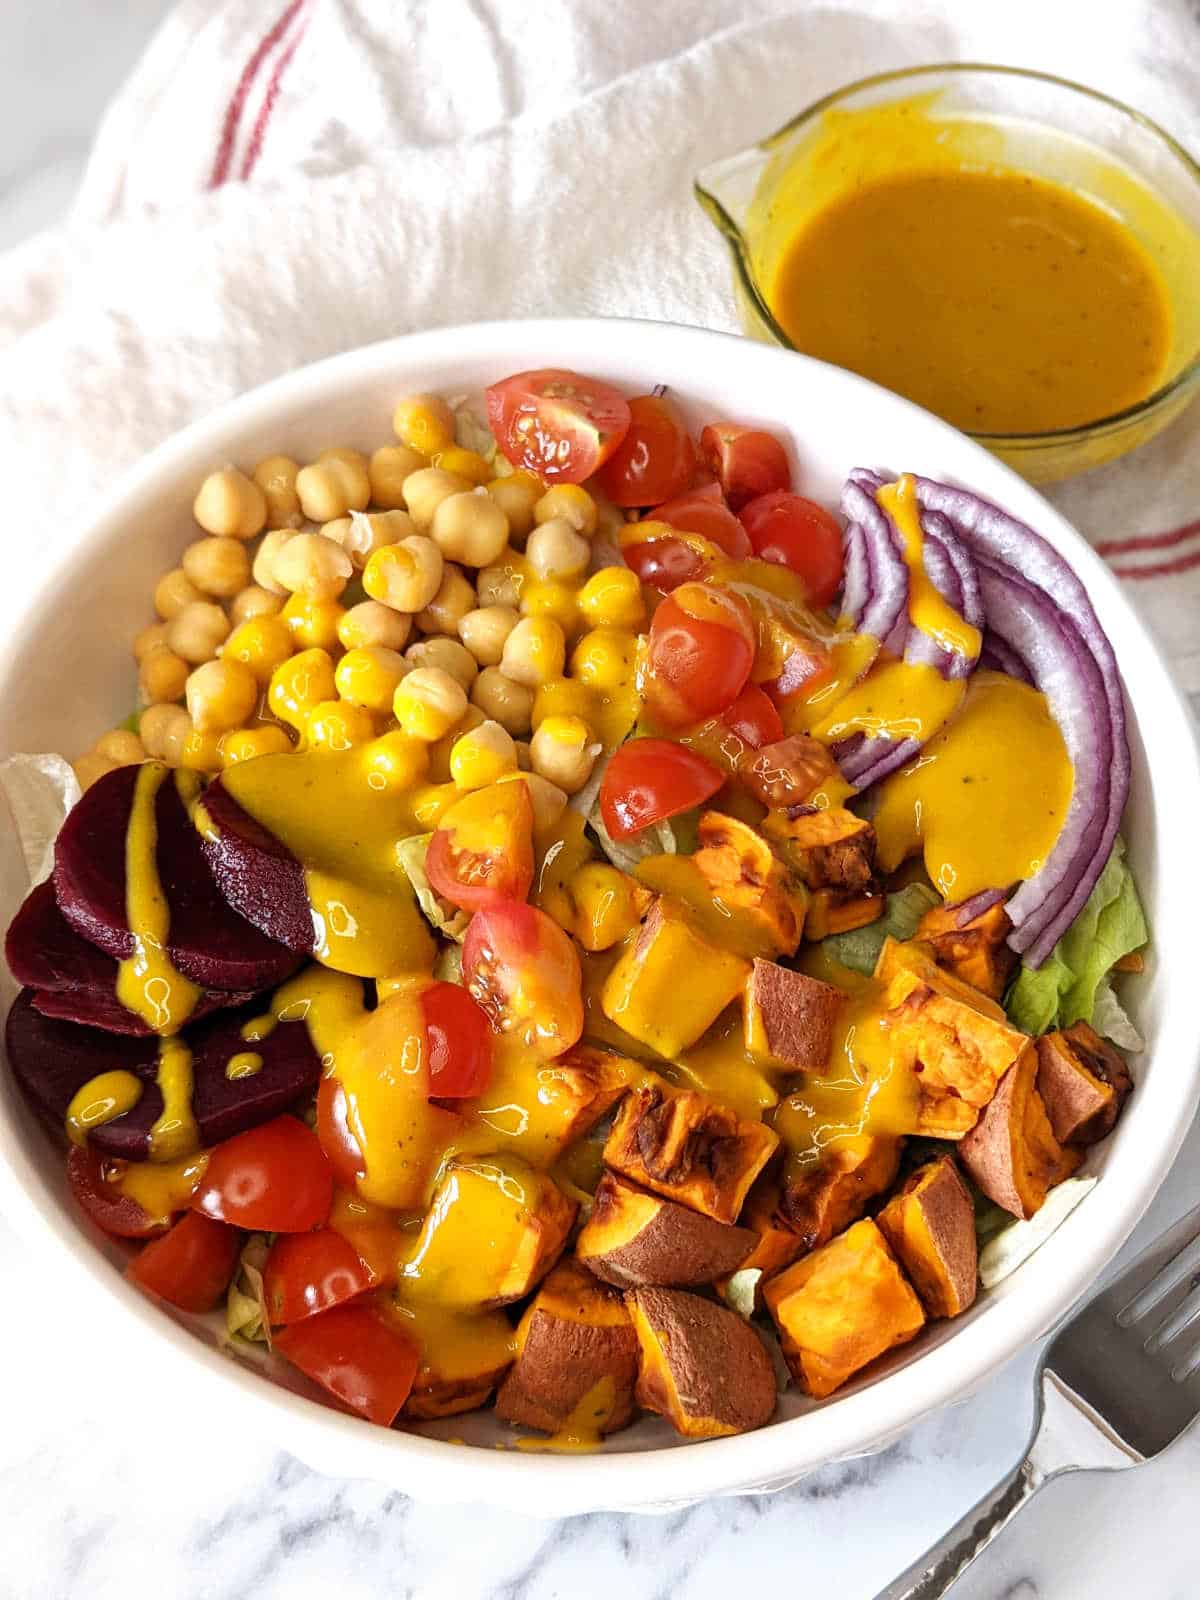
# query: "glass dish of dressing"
[1019,254]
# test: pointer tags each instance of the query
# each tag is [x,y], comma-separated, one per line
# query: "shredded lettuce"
[1011,1245]
[1072,984]
[859,949]
[471,432]
[448,965]
[246,1303]
[741,1289]
[36,792]
[445,918]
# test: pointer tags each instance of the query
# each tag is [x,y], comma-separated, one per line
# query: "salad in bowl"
[580,926]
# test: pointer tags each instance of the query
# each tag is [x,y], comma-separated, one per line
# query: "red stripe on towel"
[237,101]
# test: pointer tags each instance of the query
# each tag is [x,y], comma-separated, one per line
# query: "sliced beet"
[257,874]
[209,942]
[52,1061]
[74,981]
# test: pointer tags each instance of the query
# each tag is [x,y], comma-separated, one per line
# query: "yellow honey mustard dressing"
[243,1065]
[583,1427]
[101,1099]
[162,1188]
[174,1134]
[986,798]
[341,817]
[896,700]
[148,983]
[459,1351]
[1001,301]
[928,609]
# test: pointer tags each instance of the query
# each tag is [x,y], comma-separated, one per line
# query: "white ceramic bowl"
[65,675]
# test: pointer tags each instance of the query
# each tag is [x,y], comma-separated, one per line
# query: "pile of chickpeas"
[422,595]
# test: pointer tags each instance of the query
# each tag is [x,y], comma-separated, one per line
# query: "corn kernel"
[395,761]
[245,744]
[553,599]
[430,803]
[299,684]
[482,756]
[608,904]
[337,725]
[369,677]
[612,598]
[562,697]
[313,624]
[428,703]
[424,422]
[262,644]
[468,464]
[605,658]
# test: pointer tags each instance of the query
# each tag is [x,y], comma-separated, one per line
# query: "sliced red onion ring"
[877,758]
[856,573]
[996,654]
[967,910]
[887,576]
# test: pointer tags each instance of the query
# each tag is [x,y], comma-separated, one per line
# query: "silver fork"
[1119,1382]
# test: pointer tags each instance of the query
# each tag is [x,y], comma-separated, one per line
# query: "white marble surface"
[106,1495]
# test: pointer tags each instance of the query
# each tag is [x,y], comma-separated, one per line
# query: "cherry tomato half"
[100,1198]
[798,533]
[664,564]
[334,1135]
[352,1352]
[746,461]
[481,851]
[704,512]
[559,425]
[274,1178]
[524,971]
[754,718]
[648,780]
[190,1265]
[459,1037]
[699,654]
[309,1272]
[656,458]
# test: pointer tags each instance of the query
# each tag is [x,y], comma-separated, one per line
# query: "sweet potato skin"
[701,1365]
[633,1238]
[459,1374]
[790,1018]
[1011,1152]
[841,1308]
[930,1225]
[977,952]
[1083,1083]
[821,1201]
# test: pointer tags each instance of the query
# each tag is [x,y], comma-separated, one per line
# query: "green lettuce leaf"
[859,949]
[246,1303]
[741,1290]
[442,916]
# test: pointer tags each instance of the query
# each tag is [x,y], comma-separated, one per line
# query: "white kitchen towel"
[282,179]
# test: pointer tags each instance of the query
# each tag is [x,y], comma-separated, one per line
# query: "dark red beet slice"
[73,980]
[257,874]
[52,1060]
[209,942]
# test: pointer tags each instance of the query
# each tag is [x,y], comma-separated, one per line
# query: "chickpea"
[198,632]
[548,800]
[299,684]
[254,602]
[467,464]
[425,490]
[230,505]
[267,554]
[482,755]
[369,676]
[313,623]
[534,652]
[151,638]
[163,729]
[388,468]
[90,768]
[362,533]
[524,758]
[172,592]
[217,566]
[162,676]
[337,725]
[564,751]
[484,631]
[428,703]
[372,623]
[501,584]
[612,598]
[570,502]
[245,744]
[424,422]
[337,482]
[555,550]
[441,749]
[502,700]
[121,746]
[276,477]
[455,597]
[470,527]
[313,565]
[516,495]
[221,695]
[605,658]
[610,519]
[405,576]
[447,654]
[552,598]
[262,644]
[397,761]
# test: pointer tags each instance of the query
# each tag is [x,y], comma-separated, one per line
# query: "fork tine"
[1169,1276]
[1183,1315]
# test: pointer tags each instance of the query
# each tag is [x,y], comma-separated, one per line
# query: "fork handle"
[1067,1437]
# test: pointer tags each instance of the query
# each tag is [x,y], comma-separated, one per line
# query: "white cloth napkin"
[280,181]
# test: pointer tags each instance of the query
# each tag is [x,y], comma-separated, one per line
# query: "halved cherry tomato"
[481,851]
[746,461]
[310,1272]
[274,1178]
[656,458]
[354,1354]
[89,1177]
[559,425]
[334,1135]
[664,564]
[754,718]
[648,780]
[459,1039]
[798,533]
[524,971]
[190,1265]
[704,512]
[699,654]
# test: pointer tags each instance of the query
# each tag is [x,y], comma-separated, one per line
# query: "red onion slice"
[967,910]
[887,576]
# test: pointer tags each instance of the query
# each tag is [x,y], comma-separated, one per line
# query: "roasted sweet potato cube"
[841,1308]
[537,1109]
[819,1200]
[930,1225]
[835,911]
[633,1237]
[1083,1083]
[463,1358]
[670,984]
[830,848]
[744,873]
[701,1365]
[688,1149]
[494,1229]
[775,1244]
[577,1358]
[790,1018]
[1011,1152]
[977,951]
[787,772]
